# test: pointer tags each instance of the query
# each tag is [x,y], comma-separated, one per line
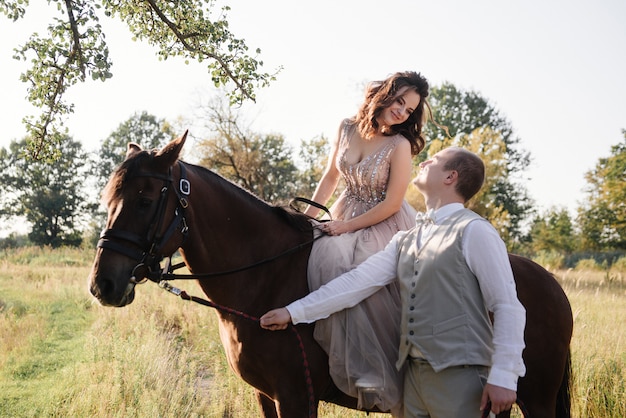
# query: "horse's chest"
[232,344]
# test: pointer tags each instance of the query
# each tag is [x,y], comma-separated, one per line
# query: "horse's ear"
[168,155]
[133,148]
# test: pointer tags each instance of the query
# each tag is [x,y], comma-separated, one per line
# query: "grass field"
[62,355]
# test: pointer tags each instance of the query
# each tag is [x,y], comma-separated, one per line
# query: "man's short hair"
[470,169]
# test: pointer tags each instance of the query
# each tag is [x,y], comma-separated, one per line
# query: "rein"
[167,273]
[292,204]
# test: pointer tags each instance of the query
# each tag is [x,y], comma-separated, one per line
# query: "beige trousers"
[454,392]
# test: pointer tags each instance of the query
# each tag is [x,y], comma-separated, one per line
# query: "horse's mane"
[124,171]
[130,166]
[290,216]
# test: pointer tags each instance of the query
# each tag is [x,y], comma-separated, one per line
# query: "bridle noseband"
[149,257]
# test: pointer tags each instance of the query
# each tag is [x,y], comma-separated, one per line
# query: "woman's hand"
[276,319]
[335,227]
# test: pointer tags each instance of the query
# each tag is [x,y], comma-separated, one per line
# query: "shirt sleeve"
[348,289]
[488,259]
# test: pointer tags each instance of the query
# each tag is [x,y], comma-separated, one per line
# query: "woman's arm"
[328,183]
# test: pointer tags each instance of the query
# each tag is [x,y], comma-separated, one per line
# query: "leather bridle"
[149,257]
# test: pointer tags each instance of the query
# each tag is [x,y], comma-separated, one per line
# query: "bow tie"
[425,218]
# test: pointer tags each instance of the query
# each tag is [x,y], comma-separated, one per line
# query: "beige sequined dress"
[362,342]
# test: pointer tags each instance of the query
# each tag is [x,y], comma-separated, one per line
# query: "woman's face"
[398,112]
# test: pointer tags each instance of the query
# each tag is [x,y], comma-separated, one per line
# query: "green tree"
[602,218]
[490,146]
[262,164]
[553,232]
[142,128]
[47,194]
[75,48]
[462,112]
[313,156]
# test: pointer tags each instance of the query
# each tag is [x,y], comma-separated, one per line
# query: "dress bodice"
[366,181]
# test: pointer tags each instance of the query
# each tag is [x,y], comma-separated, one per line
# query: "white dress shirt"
[486,256]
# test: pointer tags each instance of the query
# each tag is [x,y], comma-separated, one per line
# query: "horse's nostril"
[93,290]
[107,287]
[110,293]
[102,288]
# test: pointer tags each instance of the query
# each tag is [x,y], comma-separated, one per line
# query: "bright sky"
[555,69]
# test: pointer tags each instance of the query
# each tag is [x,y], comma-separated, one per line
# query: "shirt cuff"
[296,312]
[503,378]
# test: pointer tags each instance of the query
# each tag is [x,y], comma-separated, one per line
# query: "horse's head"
[145,212]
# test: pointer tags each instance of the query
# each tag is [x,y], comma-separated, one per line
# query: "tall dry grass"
[63,355]
[598,299]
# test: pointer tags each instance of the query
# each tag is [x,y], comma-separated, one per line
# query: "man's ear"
[452,176]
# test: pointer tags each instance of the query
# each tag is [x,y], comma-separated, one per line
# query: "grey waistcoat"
[443,312]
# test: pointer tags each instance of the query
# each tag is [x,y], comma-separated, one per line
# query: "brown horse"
[251,257]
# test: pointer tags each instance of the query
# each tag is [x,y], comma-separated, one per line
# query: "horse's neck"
[248,265]
[229,230]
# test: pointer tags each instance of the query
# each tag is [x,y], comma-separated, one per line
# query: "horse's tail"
[563,399]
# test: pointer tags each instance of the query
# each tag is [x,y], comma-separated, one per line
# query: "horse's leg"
[538,389]
[287,409]
[267,405]
[545,388]
[563,397]
[548,332]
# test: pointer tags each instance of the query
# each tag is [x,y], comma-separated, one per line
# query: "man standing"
[453,271]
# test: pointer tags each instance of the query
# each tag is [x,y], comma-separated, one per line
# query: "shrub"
[550,260]
[589,264]
[619,265]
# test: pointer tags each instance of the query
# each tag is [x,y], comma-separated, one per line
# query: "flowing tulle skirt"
[362,342]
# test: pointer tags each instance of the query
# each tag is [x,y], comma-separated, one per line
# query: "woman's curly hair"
[381,94]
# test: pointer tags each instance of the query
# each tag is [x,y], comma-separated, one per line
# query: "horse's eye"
[144,203]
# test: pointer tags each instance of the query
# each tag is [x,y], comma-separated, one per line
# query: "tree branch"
[183,40]
[76,50]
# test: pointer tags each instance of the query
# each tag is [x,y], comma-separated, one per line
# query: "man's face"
[432,172]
